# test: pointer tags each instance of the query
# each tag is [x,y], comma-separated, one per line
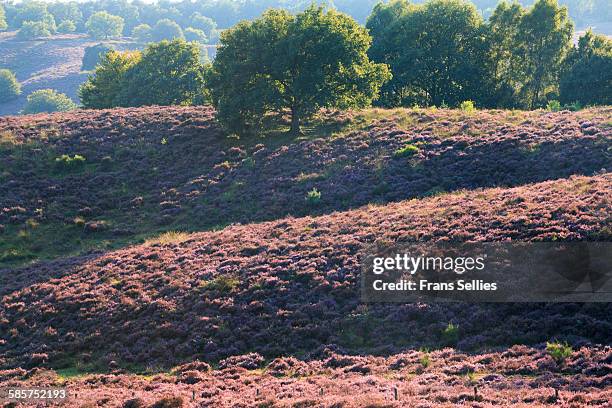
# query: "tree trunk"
[295,122]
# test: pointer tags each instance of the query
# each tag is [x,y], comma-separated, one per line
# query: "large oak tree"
[296,63]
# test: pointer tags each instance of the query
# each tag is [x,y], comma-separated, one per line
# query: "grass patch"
[169,237]
[407,151]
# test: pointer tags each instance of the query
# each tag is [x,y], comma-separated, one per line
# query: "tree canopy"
[103,25]
[587,75]
[166,29]
[9,86]
[48,100]
[317,58]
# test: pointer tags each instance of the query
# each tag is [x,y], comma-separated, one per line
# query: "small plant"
[553,106]
[164,141]
[67,162]
[222,284]
[559,351]
[425,359]
[471,377]
[407,151]
[313,197]
[450,334]
[467,106]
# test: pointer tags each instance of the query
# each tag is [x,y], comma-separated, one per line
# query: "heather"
[145,171]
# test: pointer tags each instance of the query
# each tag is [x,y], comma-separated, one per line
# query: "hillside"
[53,62]
[172,261]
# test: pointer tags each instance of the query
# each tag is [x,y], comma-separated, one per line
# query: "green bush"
[48,100]
[67,162]
[93,55]
[467,106]
[313,197]
[222,284]
[450,334]
[33,29]
[9,86]
[66,26]
[553,106]
[559,351]
[406,151]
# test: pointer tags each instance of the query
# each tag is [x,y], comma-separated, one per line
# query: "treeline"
[40,19]
[441,53]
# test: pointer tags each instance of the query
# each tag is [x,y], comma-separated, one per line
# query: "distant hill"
[53,62]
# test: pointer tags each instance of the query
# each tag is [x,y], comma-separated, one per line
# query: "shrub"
[169,402]
[33,29]
[553,106]
[66,26]
[3,25]
[9,86]
[93,55]
[313,197]
[66,162]
[222,284]
[407,151]
[425,359]
[467,106]
[450,334]
[559,351]
[142,33]
[48,100]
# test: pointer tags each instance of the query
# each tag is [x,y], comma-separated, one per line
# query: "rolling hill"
[147,256]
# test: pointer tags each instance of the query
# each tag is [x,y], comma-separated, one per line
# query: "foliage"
[314,59]
[101,89]
[66,162]
[434,51]
[194,34]
[407,151]
[142,33]
[587,74]
[10,88]
[33,29]
[223,284]
[93,55]
[206,24]
[166,29]
[34,11]
[103,25]
[559,351]
[66,26]
[553,106]
[3,24]
[467,106]
[313,196]
[450,334]
[48,100]
[169,73]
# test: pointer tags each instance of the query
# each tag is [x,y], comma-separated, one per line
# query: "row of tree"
[440,53]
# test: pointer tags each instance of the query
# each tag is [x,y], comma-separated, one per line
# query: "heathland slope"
[263,284]
[148,170]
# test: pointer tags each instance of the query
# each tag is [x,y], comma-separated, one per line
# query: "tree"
[93,55]
[169,73]
[9,86]
[66,11]
[193,34]
[48,100]
[101,89]
[166,29]
[66,26]
[103,25]
[504,62]
[543,40]
[34,11]
[3,25]
[142,33]
[301,63]
[435,51]
[203,23]
[587,75]
[33,29]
